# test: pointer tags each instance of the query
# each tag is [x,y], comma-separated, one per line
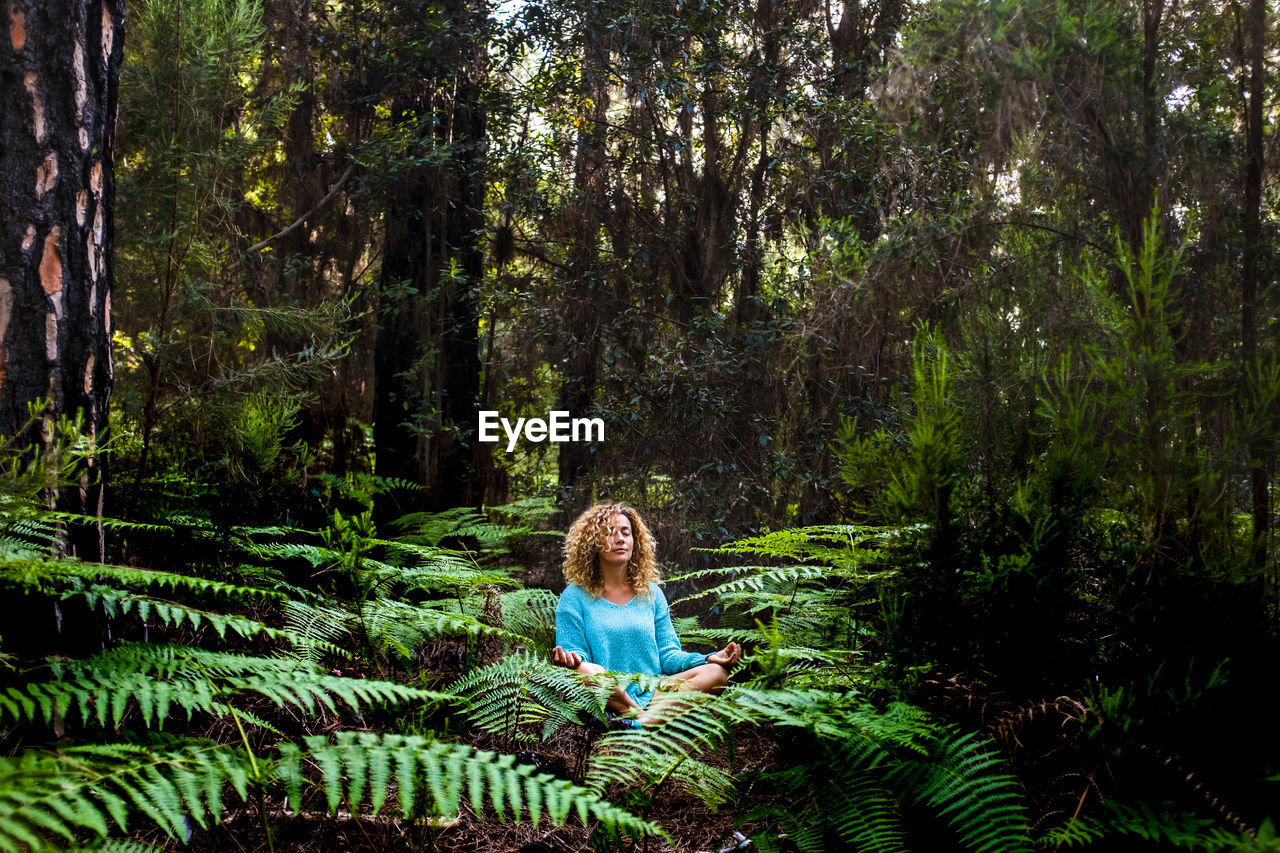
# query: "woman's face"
[618,542]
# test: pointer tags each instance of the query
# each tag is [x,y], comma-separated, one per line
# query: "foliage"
[812,606]
[1081,552]
[362,762]
[523,690]
[889,264]
[171,731]
[199,351]
[863,766]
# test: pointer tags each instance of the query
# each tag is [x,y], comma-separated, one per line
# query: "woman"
[612,617]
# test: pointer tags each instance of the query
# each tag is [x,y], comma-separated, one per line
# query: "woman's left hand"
[726,657]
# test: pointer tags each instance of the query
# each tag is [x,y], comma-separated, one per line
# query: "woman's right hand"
[563,658]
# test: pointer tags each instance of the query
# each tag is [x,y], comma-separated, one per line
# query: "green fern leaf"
[433,776]
[524,689]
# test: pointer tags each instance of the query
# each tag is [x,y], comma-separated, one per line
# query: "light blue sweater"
[632,637]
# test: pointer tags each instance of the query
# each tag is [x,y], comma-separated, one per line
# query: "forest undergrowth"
[335,689]
[350,689]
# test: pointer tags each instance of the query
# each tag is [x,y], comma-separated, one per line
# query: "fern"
[654,754]
[528,512]
[458,523]
[118,603]
[316,630]
[28,538]
[809,604]
[50,796]
[1164,823]
[962,783]
[523,690]
[159,680]
[402,627]
[47,795]
[868,765]
[758,579]
[846,546]
[532,614]
[113,524]
[710,784]
[847,803]
[313,554]
[363,488]
[49,576]
[360,766]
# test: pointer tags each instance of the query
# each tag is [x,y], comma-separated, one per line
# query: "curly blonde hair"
[585,540]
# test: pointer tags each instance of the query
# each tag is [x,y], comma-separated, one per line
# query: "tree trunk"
[59,84]
[462,459]
[1259,451]
[580,338]
[427,358]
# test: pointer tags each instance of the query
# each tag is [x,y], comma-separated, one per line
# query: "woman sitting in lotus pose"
[613,617]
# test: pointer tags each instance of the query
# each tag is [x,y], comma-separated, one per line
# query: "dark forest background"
[962,315]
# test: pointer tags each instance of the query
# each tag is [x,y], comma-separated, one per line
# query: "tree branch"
[261,244]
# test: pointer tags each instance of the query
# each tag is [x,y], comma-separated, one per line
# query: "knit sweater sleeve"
[673,658]
[571,633]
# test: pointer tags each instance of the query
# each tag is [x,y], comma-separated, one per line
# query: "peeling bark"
[56,191]
[46,175]
[17,27]
[51,263]
[30,80]
[6,311]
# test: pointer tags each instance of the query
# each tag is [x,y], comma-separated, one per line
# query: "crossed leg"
[705,678]
[619,701]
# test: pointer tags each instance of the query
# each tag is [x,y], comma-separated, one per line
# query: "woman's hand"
[563,658]
[727,657]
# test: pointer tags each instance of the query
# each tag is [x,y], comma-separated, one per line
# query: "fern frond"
[531,613]
[872,761]
[655,753]
[962,782]
[524,689]
[159,680]
[759,579]
[316,630]
[364,487]
[1159,823]
[49,795]
[450,576]
[823,798]
[47,576]
[710,784]
[28,539]
[315,555]
[403,627]
[113,524]
[528,512]
[432,528]
[864,813]
[843,544]
[432,777]
[116,603]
